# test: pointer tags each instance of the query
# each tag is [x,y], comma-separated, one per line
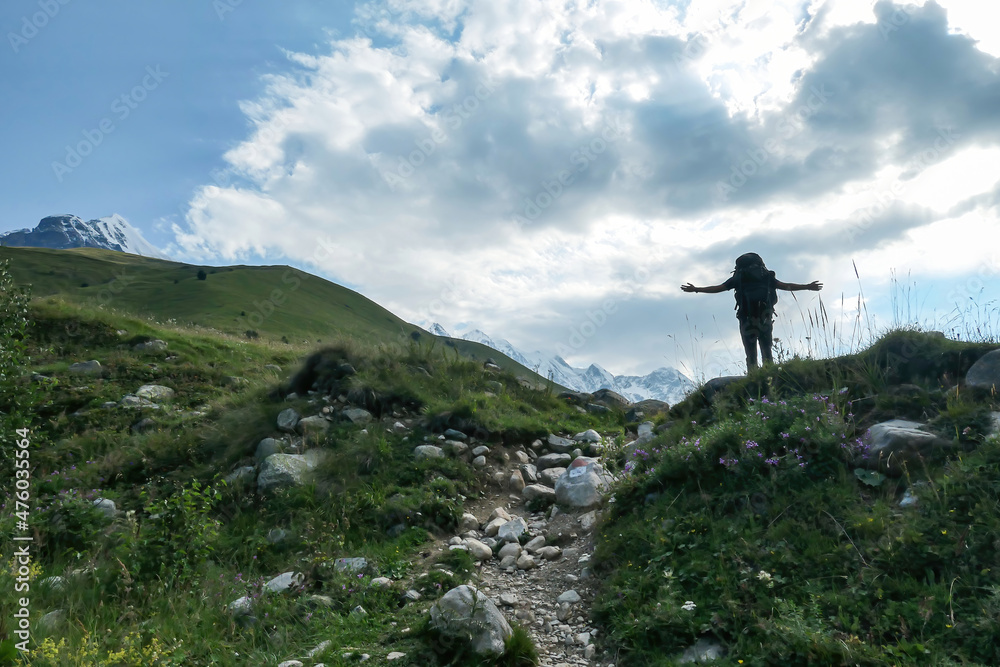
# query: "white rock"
[590,435]
[478,550]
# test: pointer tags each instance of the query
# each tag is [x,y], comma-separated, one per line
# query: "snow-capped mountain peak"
[112,232]
[664,384]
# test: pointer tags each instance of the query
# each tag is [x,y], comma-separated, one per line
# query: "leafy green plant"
[177,535]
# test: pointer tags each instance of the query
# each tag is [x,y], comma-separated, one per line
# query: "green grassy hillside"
[276,302]
[152,585]
[758,522]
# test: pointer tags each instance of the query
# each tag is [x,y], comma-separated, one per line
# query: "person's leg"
[749,335]
[764,336]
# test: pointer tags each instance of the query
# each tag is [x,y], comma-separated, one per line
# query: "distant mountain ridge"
[664,384]
[60,232]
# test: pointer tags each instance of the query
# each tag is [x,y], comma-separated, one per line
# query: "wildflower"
[689,606]
[771,461]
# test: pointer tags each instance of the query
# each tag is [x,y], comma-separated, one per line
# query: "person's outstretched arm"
[815,286]
[712,289]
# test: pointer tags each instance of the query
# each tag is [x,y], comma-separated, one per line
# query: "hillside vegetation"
[759,526]
[751,525]
[150,580]
[276,304]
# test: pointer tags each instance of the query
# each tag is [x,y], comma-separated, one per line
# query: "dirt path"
[562,629]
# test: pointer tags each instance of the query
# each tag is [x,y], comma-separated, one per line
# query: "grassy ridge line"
[274,301]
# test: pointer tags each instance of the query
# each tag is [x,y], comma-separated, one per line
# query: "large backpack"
[756,289]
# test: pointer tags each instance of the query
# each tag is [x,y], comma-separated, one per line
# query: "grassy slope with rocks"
[754,523]
[274,302]
[151,585]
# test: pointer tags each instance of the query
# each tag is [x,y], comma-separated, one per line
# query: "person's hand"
[689,288]
[815,286]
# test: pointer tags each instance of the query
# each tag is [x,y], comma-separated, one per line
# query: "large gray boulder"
[280,471]
[898,444]
[583,485]
[985,373]
[466,613]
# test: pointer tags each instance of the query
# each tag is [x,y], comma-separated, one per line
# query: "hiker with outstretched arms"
[756,293]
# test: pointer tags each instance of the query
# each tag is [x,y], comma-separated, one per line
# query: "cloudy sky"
[549,172]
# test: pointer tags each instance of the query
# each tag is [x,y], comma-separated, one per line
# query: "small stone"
[479,462]
[92,367]
[512,530]
[395,655]
[570,596]
[535,544]
[589,652]
[452,434]
[549,553]
[287,420]
[350,564]
[478,550]
[481,450]
[357,415]
[508,599]
[106,506]
[381,582]
[525,562]
[412,595]
[428,452]
[510,549]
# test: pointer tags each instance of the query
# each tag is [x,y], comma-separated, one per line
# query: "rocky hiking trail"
[540,575]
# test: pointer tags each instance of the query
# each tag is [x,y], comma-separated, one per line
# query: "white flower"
[689,606]
[763,576]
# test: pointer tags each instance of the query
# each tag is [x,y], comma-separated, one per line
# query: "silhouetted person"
[756,293]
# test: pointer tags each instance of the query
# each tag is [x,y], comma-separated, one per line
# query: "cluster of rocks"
[533,570]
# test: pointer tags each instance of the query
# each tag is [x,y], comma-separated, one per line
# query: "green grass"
[192,544]
[751,509]
[277,302]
